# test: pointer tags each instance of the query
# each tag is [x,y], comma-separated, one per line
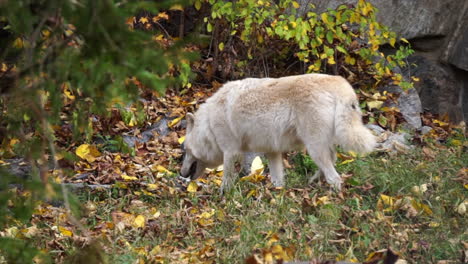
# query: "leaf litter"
[187,222]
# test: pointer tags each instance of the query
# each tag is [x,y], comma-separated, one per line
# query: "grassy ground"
[409,202]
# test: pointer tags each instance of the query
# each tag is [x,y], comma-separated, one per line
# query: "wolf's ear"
[190,121]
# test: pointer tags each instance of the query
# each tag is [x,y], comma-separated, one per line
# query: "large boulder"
[439,87]
[438,31]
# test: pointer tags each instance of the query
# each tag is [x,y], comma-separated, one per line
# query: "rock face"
[438,31]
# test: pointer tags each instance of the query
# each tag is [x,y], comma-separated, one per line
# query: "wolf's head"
[199,147]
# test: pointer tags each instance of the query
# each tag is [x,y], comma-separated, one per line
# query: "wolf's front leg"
[229,171]
[276,168]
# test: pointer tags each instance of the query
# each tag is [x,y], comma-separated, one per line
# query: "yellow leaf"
[87,152]
[347,161]
[68,93]
[456,142]
[162,15]
[18,43]
[252,193]
[152,186]
[325,18]
[440,123]
[143,20]
[177,7]
[158,37]
[197,5]
[221,46]
[386,201]
[45,33]
[133,121]
[161,169]
[192,187]
[13,142]
[374,104]
[64,231]
[181,140]
[125,177]
[175,121]
[139,221]
[268,257]
[295,4]
[323,200]
[461,208]
[205,222]
[404,40]
[254,178]
[421,207]
[207,214]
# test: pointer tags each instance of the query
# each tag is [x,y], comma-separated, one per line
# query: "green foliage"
[83,51]
[337,41]
[62,62]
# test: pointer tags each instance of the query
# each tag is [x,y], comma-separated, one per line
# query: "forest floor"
[413,202]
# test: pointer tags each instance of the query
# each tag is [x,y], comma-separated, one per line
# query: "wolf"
[273,116]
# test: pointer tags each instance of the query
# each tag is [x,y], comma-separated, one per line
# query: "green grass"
[347,226]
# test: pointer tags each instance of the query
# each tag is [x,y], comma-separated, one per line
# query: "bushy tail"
[350,133]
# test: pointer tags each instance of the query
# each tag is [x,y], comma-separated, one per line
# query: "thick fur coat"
[273,116]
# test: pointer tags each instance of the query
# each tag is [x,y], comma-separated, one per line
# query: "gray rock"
[17,167]
[409,18]
[425,129]
[394,142]
[376,129]
[410,107]
[459,53]
[409,104]
[439,88]
[438,31]
[161,127]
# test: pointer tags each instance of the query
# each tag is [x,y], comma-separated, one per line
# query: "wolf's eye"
[353,106]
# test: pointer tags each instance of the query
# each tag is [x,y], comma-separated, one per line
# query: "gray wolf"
[274,116]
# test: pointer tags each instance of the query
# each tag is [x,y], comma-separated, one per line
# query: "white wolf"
[273,116]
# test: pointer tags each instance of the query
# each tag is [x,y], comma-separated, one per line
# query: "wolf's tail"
[350,133]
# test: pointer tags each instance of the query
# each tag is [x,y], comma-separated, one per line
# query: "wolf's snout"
[190,173]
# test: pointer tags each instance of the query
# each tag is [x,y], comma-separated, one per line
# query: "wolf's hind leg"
[322,156]
[319,172]
[229,173]
[276,168]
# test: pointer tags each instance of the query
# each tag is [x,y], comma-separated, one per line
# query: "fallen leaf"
[87,152]
[175,121]
[139,221]
[64,231]
[125,177]
[181,140]
[192,187]
[257,166]
[374,104]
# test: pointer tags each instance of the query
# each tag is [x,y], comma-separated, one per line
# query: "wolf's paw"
[224,188]
[315,177]
[335,183]
[278,183]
